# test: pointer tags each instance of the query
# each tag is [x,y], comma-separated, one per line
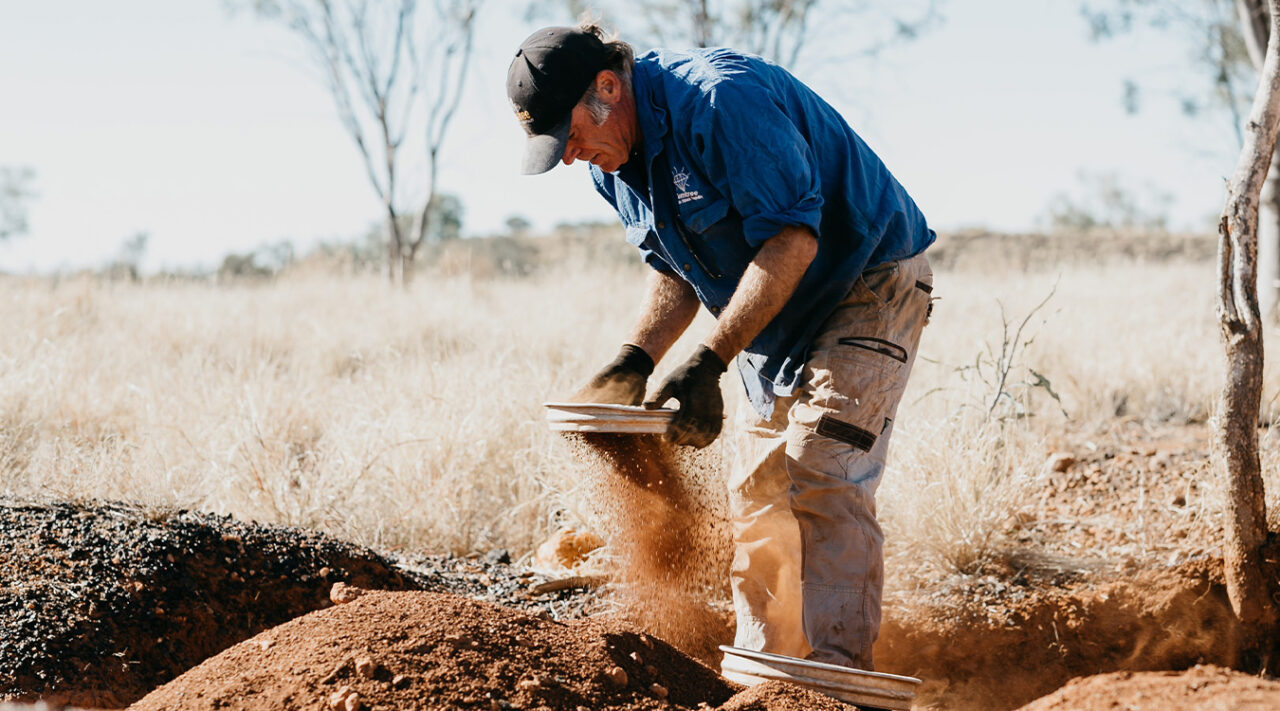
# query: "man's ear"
[608,86]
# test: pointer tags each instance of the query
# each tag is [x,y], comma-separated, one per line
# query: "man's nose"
[570,154]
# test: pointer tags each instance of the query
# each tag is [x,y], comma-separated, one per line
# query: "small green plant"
[1005,385]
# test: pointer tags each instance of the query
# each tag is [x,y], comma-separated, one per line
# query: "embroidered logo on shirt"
[681,179]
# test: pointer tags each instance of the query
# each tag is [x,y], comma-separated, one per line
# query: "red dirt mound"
[417,650]
[1000,651]
[1204,688]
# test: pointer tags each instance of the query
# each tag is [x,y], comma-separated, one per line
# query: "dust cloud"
[664,513]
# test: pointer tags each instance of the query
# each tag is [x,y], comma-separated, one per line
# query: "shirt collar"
[650,110]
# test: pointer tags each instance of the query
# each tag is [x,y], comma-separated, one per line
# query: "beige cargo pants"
[808,565]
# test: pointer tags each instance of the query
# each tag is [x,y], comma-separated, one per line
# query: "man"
[749,194]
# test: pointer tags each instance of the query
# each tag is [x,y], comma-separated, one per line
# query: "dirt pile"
[1204,688]
[663,510]
[102,602]
[418,650]
[1003,646]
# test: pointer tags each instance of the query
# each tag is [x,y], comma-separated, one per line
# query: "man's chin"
[608,167]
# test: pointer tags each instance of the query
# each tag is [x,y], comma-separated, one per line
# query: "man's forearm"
[765,287]
[670,305]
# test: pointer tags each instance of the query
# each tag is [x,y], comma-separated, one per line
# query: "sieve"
[864,688]
[605,417]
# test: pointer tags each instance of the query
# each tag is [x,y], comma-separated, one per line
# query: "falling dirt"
[664,512]
[416,650]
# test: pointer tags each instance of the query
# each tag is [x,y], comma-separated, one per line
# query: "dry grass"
[413,419]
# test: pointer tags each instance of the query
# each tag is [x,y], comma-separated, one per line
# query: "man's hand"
[696,384]
[622,381]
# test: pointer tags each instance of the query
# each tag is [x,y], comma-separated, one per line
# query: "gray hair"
[620,59]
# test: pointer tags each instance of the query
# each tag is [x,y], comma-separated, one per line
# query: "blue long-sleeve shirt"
[735,149]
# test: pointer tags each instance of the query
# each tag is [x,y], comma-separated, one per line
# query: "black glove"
[696,384]
[622,381]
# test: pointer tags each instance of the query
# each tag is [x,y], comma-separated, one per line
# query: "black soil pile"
[102,602]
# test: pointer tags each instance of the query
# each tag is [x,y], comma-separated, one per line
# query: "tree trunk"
[395,247]
[1269,243]
[1255,28]
[406,267]
[1238,312]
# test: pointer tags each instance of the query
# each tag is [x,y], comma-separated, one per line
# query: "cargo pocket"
[876,345]
[873,287]
[850,394]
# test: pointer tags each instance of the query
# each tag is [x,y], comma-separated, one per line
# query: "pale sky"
[211,133]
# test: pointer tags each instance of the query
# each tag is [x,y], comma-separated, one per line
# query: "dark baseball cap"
[551,71]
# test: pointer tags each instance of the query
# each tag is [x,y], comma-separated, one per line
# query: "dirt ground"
[1109,596]
[413,650]
[1204,688]
[102,602]
[1112,567]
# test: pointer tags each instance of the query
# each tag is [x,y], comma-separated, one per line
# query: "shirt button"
[686,267]
[662,225]
[715,310]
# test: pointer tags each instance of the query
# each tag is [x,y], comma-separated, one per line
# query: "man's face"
[607,145]
[604,146]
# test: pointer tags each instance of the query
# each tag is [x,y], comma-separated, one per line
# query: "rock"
[338,699]
[400,681]
[365,667]
[618,676]
[658,690]
[353,702]
[566,549]
[1059,462]
[460,640]
[341,593]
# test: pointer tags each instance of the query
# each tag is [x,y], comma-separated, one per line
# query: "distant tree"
[277,256]
[15,195]
[779,30]
[1241,322]
[1228,38]
[128,263]
[446,218]
[242,266]
[518,225]
[1108,204]
[397,74]
[1213,33]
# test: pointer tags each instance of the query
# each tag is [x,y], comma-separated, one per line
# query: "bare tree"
[15,194]
[1240,317]
[396,73]
[779,30]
